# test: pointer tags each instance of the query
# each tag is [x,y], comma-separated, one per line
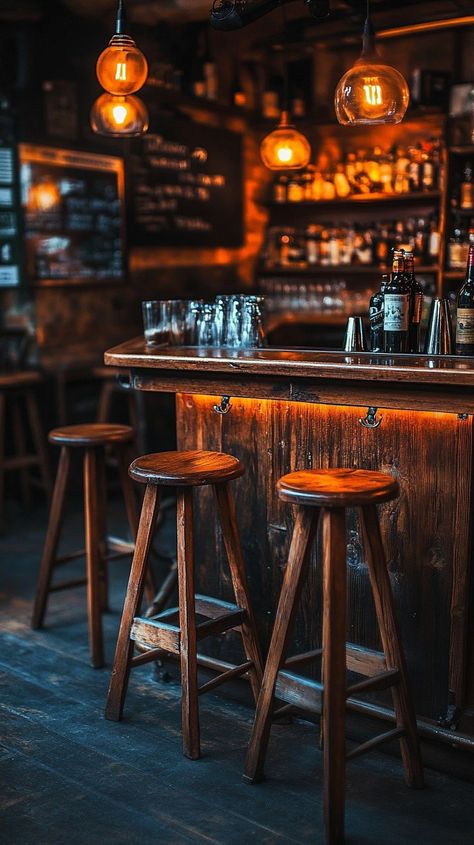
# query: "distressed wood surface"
[420,369]
[425,531]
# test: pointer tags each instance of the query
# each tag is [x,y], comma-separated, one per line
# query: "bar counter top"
[420,382]
[420,369]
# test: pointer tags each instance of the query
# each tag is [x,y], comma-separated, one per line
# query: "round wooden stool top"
[91,434]
[23,378]
[186,469]
[337,487]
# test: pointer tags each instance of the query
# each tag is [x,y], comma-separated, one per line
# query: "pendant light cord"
[286,94]
[121,18]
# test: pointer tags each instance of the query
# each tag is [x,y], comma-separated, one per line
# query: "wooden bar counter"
[294,409]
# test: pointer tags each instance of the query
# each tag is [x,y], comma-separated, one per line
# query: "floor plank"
[70,776]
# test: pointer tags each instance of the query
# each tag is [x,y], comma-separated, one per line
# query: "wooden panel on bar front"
[430,454]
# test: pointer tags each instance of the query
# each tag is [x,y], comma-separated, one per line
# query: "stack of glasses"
[231,321]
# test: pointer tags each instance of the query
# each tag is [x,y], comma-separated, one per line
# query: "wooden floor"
[68,776]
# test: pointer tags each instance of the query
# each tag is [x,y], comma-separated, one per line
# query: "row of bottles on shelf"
[329,245]
[331,297]
[458,244]
[393,171]
[396,310]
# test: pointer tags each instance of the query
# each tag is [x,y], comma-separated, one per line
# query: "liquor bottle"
[210,74]
[271,98]
[467,188]
[238,95]
[465,311]
[396,317]
[416,303]
[376,311]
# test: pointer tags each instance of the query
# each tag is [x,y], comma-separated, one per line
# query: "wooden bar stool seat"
[91,434]
[18,395]
[322,497]
[177,630]
[93,438]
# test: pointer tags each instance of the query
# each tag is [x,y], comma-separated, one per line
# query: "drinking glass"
[156,322]
[192,319]
[178,308]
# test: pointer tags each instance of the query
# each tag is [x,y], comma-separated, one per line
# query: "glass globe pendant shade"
[121,68]
[371,92]
[120,117]
[285,148]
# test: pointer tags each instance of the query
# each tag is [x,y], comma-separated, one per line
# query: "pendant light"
[284,148]
[121,68]
[120,117]
[371,91]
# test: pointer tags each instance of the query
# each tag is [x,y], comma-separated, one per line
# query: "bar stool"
[185,470]
[17,391]
[93,438]
[324,495]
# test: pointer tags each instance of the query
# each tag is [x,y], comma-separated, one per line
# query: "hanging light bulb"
[119,116]
[371,91]
[285,148]
[121,68]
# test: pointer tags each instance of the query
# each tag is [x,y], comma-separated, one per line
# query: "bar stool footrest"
[365,747]
[157,633]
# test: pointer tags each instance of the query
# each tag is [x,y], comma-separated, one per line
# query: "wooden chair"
[93,438]
[323,495]
[17,393]
[176,630]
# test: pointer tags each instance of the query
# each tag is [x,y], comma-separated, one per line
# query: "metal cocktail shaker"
[439,335]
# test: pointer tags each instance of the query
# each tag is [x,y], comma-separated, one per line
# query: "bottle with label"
[396,318]
[239,98]
[271,98]
[280,189]
[433,242]
[376,310]
[467,188]
[210,75]
[465,311]
[416,303]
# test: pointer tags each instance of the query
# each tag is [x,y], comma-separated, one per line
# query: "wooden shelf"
[454,274]
[417,197]
[465,150]
[341,269]
[462,212]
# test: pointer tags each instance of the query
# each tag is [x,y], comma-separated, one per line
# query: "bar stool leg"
[128,494]
[334,671]
[102,531]
[187,624]
[133,597]
[20,447]
[39,441]
[391,643]
[2,460]
[302,539]
[230,532]
[52,538]
[93,556]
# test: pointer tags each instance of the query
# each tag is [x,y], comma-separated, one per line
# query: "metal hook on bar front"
[224,406]
[371,420]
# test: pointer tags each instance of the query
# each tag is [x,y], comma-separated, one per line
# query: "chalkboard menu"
[73,211]
[10,207]
[186,186]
